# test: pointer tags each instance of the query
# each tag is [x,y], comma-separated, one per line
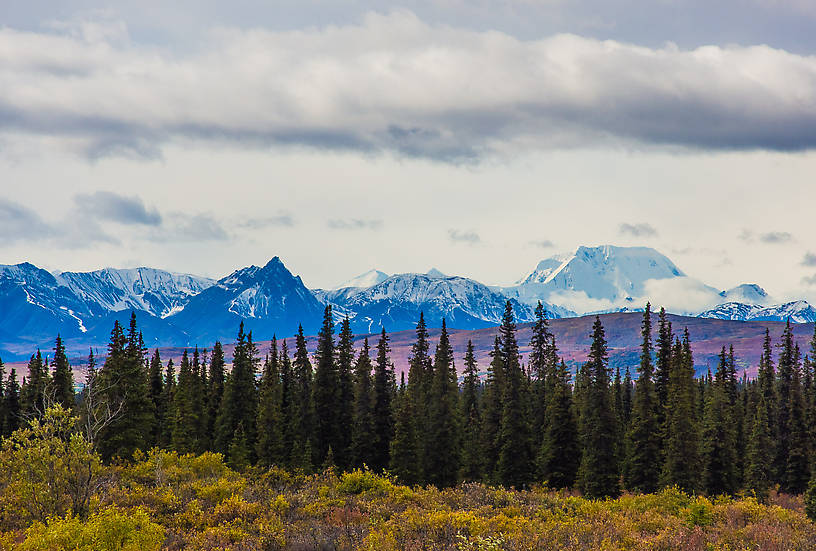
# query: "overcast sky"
[477,137]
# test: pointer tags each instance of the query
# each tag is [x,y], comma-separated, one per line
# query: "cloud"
[543,244]
[809,280]
[746,235]
[638,230]
[769,238]
[283,219]
[681,295]
[355,224]
[809,259]
[199,227]
[777,237]
[468,237]
[117,208]
[20,223]
[394,83]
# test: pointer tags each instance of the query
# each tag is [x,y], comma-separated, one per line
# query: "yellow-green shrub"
[359,481]
[108,530]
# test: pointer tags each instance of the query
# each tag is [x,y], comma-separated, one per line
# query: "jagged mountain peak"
[158,292]
[434,273]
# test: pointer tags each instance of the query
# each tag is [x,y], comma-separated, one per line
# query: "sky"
[475,137]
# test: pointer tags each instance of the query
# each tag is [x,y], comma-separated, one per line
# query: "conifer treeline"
[519,425]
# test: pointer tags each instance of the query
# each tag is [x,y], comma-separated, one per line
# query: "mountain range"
[182,310]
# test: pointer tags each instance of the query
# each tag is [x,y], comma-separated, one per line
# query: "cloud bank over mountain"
[395,83]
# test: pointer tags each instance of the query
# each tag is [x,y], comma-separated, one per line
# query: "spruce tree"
[239,453]
[12,399]
[287,388]
[733,391]
[405,459]
[62,378]
[326,386]
[168,412]
[541,366]
[302,406]
[784,383]
[471,454]
[199,402]
[383,391]
[797,471]
[124,380]
[184,420]
[515,463]
[718,443]
[32,393]
[443,404]
[681,461]
[492,411]
[560,454]
[643,457]
[269,447]
[345,390]
[215,386]
[628,395]
[420,377]
[362,436]
[239,402]
[759,460]
[662,377]
[617,406]
[598,476]
[810,499]
[766,383]
[156,390]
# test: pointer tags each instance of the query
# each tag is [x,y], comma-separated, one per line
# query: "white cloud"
[395,83]
[681,295]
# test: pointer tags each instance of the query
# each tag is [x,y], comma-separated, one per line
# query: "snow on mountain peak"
[595,278]
[434,273]
[158,292]
[367,279]
[748,293]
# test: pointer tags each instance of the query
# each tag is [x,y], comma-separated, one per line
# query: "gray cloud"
[809,280]
[19,223]
[769,238]
[809,259]
[354,224]
[328,88]
[543,244]
[282,219]
[638,230]
[117,208]
[199,227]
[776,237]
[468,237]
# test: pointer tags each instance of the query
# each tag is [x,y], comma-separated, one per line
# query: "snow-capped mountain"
[270,299]
[366,279]
[604,278]
[396,303]
[34,302]
[182,310]
[798,312]
[747,293]
[158,292]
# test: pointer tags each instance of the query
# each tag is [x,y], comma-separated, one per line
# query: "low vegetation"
[164,500]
